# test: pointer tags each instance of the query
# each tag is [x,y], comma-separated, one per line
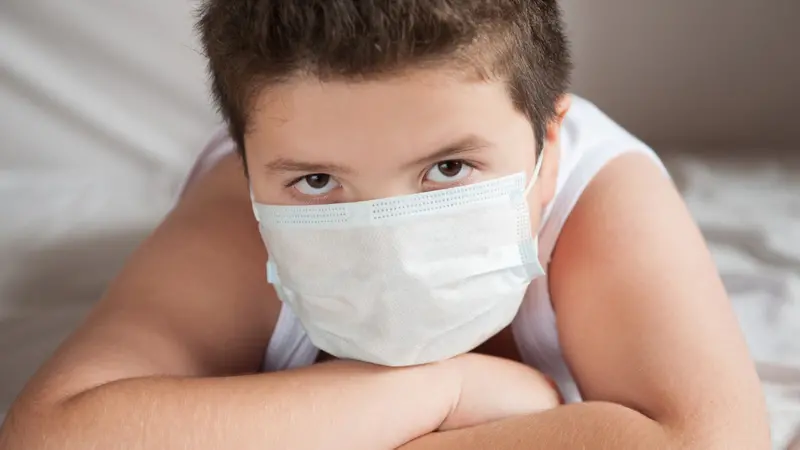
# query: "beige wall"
[679,73]
[693,73]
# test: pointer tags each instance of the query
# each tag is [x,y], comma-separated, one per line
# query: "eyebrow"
[290,165]
[465,144]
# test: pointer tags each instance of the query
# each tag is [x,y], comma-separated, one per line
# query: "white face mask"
[405,280]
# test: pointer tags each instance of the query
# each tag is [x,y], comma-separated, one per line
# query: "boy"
[440,215]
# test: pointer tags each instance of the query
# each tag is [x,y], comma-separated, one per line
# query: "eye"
[316,184]
[448,171]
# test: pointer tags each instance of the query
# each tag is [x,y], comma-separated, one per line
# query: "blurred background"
[103,107]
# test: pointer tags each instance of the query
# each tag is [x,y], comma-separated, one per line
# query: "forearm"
[585,425]
[311,408]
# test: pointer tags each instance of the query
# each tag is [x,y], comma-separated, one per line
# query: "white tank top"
[589,140]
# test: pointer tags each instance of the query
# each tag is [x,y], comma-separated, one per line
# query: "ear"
[552,150]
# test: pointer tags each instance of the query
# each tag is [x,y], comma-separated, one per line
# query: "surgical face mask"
[405,280]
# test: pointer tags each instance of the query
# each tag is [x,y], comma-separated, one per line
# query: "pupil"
[318,181]
[450,168]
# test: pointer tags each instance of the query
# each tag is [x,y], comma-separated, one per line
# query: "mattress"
[104,109]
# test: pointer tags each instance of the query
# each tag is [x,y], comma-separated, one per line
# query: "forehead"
[306,117]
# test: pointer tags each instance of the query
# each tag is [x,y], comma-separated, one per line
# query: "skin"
[643,318]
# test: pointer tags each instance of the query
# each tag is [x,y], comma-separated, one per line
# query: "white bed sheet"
[103,108]
[748,209]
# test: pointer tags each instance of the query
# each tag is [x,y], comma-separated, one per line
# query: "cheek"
[536,212]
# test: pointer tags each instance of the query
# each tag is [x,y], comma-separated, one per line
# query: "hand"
[494,388]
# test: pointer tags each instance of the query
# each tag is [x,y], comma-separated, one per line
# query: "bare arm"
[646,328]
[154,365]
[595,425]
[335,405]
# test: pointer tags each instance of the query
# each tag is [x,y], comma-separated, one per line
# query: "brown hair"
[253,43]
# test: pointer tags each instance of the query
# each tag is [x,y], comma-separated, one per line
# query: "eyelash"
[471,164]
[294,181]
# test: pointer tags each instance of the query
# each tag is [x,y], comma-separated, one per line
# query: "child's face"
[333,142]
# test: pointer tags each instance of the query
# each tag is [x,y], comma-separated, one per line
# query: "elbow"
[720,425]
[12,432]
[28,428]
[726,442]
[754,436]
[748,439]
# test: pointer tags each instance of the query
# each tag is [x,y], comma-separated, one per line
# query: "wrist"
[415,400]
[438,386]
[448,384]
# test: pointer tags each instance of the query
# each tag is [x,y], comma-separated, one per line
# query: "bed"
[104,109]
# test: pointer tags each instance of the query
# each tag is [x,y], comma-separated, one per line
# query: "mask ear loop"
[539,267]
[253,202]
[535,176]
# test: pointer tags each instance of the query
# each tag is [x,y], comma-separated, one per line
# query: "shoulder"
[643,317]
[191,301]
[590,142]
